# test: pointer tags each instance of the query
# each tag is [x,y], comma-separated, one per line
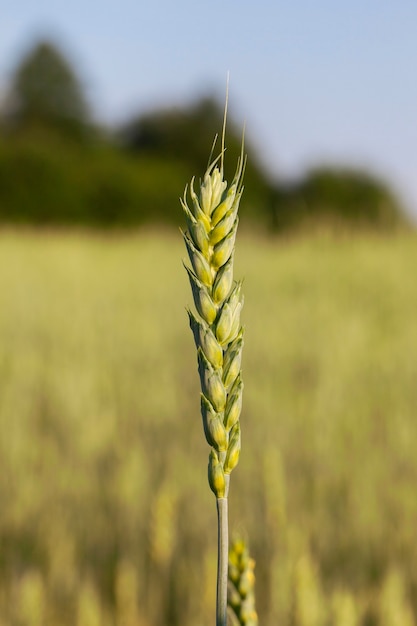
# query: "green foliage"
[182,133]
[98,432]
[51,182]
[341,198]
[45,179]
[45,92]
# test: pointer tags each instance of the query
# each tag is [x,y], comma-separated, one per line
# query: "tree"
[338,197]
[46,93]
[186,134]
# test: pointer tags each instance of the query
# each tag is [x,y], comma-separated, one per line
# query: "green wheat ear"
[212,222]
[241,592]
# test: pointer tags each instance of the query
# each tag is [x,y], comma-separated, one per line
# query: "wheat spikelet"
[241,586]
[212,222]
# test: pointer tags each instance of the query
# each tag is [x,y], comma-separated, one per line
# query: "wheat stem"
[222,561]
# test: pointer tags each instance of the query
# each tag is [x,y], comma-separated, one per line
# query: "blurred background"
[106,112]
[95,110]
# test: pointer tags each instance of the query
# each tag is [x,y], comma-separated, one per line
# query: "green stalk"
[222,561]
[222,558]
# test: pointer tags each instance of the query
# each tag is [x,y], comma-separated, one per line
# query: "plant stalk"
[222,557]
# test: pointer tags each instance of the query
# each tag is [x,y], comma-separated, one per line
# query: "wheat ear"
[212,222]
[241,596]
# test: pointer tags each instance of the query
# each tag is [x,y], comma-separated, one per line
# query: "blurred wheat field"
[102,458]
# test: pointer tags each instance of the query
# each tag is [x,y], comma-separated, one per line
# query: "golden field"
[107,518]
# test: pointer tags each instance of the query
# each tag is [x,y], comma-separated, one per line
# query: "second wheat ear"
[212,223]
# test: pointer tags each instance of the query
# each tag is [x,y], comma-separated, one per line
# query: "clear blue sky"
[316,81]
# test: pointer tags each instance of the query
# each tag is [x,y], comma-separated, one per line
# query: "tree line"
[59,166]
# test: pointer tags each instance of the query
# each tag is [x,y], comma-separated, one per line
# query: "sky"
[316,82]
